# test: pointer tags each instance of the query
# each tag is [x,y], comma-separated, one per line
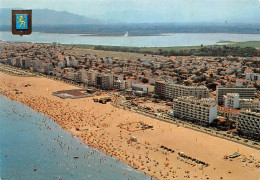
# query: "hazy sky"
[180,11]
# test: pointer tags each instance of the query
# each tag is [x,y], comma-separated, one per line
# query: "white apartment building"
[111,81]
[201,111]
[104,81]
[82,75]
[249,103]
[119,84]
[249,124]
[26,63]
[171,90]
[146,88]
[231,100]
[176,90]
[160,87]
[91,78]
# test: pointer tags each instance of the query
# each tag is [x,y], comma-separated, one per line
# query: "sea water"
[33,146]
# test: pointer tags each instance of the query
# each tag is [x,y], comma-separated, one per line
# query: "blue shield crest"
[21,21]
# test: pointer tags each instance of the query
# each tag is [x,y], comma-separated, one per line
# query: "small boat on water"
[75,157]
[126,34]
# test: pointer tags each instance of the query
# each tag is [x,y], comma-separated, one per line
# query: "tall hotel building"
[249,124]
[159,88]
[104,81]
[231,100]
[201,111]
[244,92]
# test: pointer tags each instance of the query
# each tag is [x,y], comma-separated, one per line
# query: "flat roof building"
[244,92]
[159,88]
[249,103]
[231,100]
[119,84]
[201,111]
[143,87]
[104,81]
[249,124]
[171,90]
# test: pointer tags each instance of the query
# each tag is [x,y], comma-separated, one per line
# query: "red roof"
[232,111]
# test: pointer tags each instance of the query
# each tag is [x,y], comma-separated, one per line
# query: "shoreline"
[218,43]
[64,153]
[100,130]
[69,131]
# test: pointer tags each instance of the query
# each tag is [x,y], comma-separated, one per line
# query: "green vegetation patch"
[243,49]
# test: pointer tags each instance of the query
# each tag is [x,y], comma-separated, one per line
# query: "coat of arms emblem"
[21,22]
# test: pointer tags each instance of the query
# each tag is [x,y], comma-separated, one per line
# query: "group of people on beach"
[97,126]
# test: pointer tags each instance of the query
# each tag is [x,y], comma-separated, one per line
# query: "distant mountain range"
[48,17]
[51,21]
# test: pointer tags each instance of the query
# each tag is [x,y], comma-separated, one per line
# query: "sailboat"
[126,34]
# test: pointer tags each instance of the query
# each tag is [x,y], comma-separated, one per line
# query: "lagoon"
[163,40]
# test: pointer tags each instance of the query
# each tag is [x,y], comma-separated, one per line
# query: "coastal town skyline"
[128,89]
[213,99]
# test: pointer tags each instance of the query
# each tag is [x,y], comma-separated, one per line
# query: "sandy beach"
[100,126]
